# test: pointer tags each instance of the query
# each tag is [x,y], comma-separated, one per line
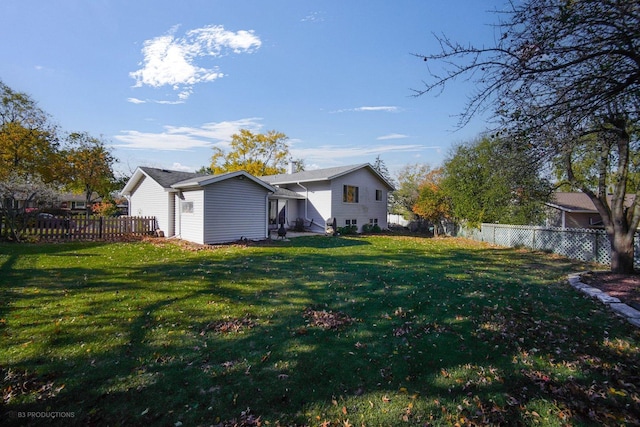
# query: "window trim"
[186,207]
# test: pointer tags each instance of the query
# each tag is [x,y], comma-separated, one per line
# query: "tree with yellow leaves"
[257,153]
[88,166]
[432,204]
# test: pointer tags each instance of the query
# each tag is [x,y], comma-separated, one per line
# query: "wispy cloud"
[170,60]
[392,136]
[313,17]
[383,108]
[183,138]
[337,154]
[154,101]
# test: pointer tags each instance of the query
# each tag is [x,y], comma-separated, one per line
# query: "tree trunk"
[622,253]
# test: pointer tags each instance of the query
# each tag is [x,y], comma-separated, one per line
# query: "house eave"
[571,210]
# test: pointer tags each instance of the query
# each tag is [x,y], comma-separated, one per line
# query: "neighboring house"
[64,203]
[574,210]
[201,208]
[354,195]
[76,203]
[227,207]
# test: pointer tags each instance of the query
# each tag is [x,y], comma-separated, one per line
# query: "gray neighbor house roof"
[578,202]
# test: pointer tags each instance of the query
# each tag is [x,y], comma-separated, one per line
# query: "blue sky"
[165,81]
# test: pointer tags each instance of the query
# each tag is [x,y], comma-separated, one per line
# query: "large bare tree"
[563,75]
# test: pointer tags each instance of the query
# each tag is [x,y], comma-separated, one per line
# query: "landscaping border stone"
[618,307]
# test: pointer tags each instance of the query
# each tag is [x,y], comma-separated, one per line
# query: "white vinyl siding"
[234,209]
[367,207]
[319,201]
[190,224]
[150,199]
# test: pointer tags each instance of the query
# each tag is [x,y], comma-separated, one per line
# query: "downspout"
[267,234]
[128,197]
[177,207]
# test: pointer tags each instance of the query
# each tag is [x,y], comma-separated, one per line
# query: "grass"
[374,331]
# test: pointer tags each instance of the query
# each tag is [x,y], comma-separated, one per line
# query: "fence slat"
[583,244]
[63,228]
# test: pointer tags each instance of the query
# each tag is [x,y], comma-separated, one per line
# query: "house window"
[351,222]
[350,194]
[186,207]
[373,221]
[79,205]
[378,195]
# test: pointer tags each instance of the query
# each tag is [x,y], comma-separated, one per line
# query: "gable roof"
[172,180]
[326,174]
[202,180]
[164,177]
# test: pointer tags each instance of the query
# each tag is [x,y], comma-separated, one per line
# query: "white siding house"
[353,195]
[201,208]
[222,208]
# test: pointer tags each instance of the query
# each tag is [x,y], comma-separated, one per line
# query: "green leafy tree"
[88,165]
[257,153]
[489,180]
[568,65]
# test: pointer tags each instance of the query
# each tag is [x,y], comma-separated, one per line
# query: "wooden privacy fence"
[92,228]
[577,243]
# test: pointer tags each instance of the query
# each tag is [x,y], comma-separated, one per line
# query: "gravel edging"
[618,307]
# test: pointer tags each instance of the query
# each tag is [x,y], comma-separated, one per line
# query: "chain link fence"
[576,243]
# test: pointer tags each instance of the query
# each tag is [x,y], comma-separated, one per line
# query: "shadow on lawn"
[454,333]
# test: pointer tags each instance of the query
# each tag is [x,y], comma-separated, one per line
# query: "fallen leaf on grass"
[327,319]
[233,325]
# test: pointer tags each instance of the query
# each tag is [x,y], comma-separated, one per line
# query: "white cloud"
[392,136]
[182,138]
[170,60]
[180,167]
[388,109]
[136,101]
[384,108]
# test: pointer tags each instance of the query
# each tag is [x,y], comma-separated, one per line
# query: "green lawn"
[316,331]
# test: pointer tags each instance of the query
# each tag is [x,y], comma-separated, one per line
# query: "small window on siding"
[378,195]
[350,194]
[186,207]
[351,222]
